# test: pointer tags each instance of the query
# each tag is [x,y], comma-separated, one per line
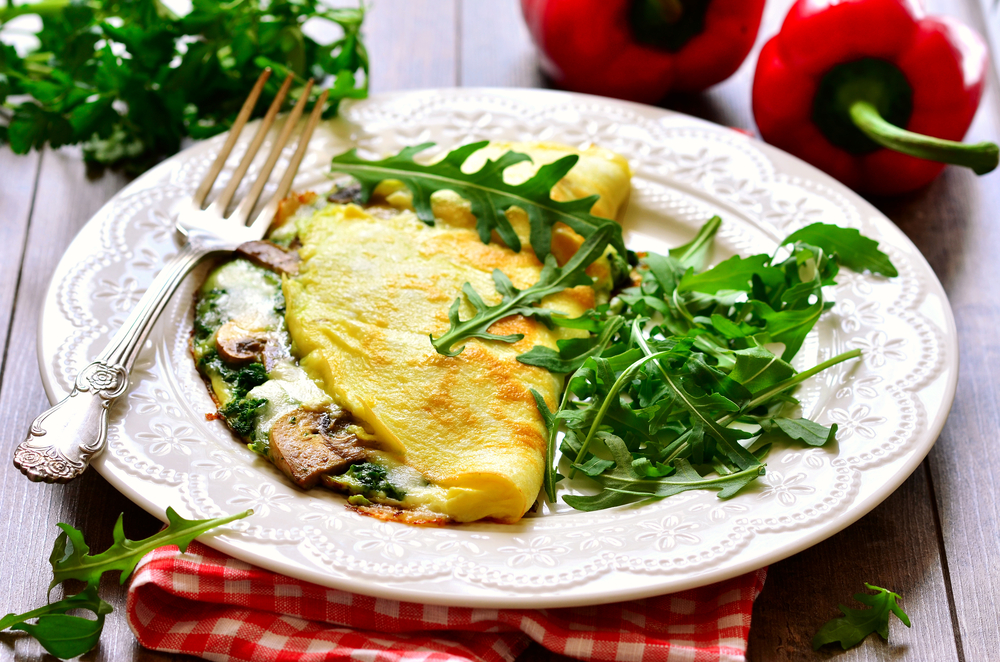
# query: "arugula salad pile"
[679,384]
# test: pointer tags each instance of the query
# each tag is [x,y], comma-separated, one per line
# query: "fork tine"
[266,215]
[242,212]
[222,202]
[234,133]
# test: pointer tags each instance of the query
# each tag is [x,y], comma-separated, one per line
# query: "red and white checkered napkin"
[208,604]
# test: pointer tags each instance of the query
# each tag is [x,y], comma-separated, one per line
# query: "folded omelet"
[458,437]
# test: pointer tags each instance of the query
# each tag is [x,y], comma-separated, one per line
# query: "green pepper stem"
[44,9]
[669,10]
[981,157]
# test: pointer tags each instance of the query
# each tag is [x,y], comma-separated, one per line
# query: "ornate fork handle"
[62,440]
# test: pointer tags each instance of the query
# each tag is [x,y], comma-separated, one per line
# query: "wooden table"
[936,540]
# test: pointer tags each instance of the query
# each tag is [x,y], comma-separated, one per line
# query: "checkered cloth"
[208,604]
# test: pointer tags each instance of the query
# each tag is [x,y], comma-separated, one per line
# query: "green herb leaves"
[856,624]
[62,635]
[678,388]
[856,252]
[487,192]
[552,279]
[68,636]
[128,80]
[71,558]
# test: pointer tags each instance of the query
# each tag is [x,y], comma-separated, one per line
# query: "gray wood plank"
[798,599]
[65,201]
[496,49]
[896,547]
[953,223]
[20,173]
[412,44]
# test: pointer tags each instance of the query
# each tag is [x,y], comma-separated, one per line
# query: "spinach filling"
[366,480]
[238,288]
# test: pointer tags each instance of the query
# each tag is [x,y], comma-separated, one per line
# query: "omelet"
[348,391]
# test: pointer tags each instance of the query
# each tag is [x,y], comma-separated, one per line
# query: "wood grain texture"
[935,540]
[496,49]
[953,222]
[65,200]
[896,547]
[18,194]
[412,44]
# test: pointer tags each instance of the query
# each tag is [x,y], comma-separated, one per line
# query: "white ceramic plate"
[890,407]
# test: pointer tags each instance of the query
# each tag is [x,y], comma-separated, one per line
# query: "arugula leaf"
[789,326]
[129,80]
[552,279]
[69,636]
[572,351]
[487,192]
[61,635]
[551,427]
[856,624]
[727,437]
[623,485]
[854,250]
[800,429]
[694,254]
[663,392]
[731,274]
[71,558]
[756,368]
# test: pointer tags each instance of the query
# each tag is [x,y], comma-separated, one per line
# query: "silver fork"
[63,440]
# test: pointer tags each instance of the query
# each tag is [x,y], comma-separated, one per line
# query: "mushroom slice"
[270,256]
[237,344]
[307,444]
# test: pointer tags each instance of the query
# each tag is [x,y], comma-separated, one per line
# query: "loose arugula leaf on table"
[487,192]
[60,634]
[67,636]
[71,558]
[851,629]
[129,80]
[552,279]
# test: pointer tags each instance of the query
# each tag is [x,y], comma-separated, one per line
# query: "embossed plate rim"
[600,586]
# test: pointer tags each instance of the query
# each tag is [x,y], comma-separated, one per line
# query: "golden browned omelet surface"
[371,290]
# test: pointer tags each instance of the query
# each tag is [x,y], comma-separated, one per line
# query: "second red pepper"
[843,78]
[640,50]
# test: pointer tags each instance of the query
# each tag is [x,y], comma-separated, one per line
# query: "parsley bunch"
[128,79]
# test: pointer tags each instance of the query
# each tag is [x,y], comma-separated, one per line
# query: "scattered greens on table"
[67,636]
[851,629]
[128,79]
[677,386]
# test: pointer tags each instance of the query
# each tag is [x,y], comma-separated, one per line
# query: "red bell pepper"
[841,81]
[641,49]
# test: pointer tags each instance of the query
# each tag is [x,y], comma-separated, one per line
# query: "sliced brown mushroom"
[236,344]
[345,194]
[307,444]
[270,256]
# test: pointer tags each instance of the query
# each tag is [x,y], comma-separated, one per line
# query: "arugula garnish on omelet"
[665,376]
